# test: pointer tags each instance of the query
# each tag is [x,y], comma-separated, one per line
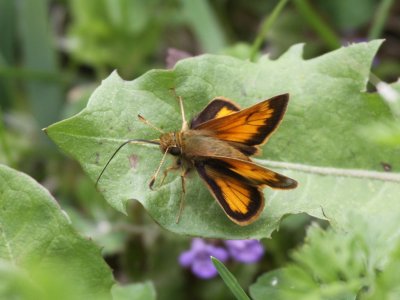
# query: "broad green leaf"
[39,246]
[15,283]
[137,291]
[268,285]
[328,104]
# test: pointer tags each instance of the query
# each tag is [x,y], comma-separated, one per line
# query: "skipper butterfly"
[218,143]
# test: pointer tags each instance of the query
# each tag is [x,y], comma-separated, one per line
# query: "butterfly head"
[170,142]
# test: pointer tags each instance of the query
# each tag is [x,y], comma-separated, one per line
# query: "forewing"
[217,108]
[251,126]
[241,201]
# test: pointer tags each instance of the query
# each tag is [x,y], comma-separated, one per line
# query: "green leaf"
[40,250]
[229,280]
[387,282]
[137,291]
[330,265]
[319,132]
[268,285]
[122,34]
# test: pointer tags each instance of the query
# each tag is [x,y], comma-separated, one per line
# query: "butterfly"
[218,143]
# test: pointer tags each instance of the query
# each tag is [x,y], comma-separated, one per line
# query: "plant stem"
[380,18]
[31,74]
[4,142]
[375,175]
[387,93]
[201,18]
[323,30]
[266,25]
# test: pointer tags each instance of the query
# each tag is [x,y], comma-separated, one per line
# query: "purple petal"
[204,268]
[218,252]
[186,258]
[174,55]
[198,245]
[198,257]
[246,251]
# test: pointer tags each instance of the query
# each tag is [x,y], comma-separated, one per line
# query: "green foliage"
[41,255]
[336,265]
[121,34]
[340,142]
[344,15]
[109,119]
[39,55]
[387,284]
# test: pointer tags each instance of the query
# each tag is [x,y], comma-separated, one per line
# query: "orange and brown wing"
[241,201]
[237,185]
[217,108]
[251,126]
[253,173]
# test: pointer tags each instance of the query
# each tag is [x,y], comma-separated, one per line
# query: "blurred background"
[53,54]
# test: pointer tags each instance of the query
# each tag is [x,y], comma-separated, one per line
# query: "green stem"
[380,18]
[355,173]
[394,106]
[23,73]
[4,142]
[266,25]
[205,25]
[314,20]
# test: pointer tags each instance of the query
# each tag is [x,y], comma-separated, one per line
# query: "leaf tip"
[294,52]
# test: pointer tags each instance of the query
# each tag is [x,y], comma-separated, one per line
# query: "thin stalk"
[205,25]
[315,21]
[265,27]
[24,73]
[388,93]
[356,173]
[380,19]
[4,142]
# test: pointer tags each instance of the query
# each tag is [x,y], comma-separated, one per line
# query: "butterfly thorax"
[197,144]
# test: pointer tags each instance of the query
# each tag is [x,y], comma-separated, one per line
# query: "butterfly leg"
[174,167]
[182,201]
[154,177]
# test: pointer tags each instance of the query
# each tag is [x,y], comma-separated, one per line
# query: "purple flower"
[198,258]
[175,55]
[246,251]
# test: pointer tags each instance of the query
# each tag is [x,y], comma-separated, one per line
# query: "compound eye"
[175,150]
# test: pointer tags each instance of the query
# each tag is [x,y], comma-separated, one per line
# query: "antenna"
[180,101]
[132,141]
